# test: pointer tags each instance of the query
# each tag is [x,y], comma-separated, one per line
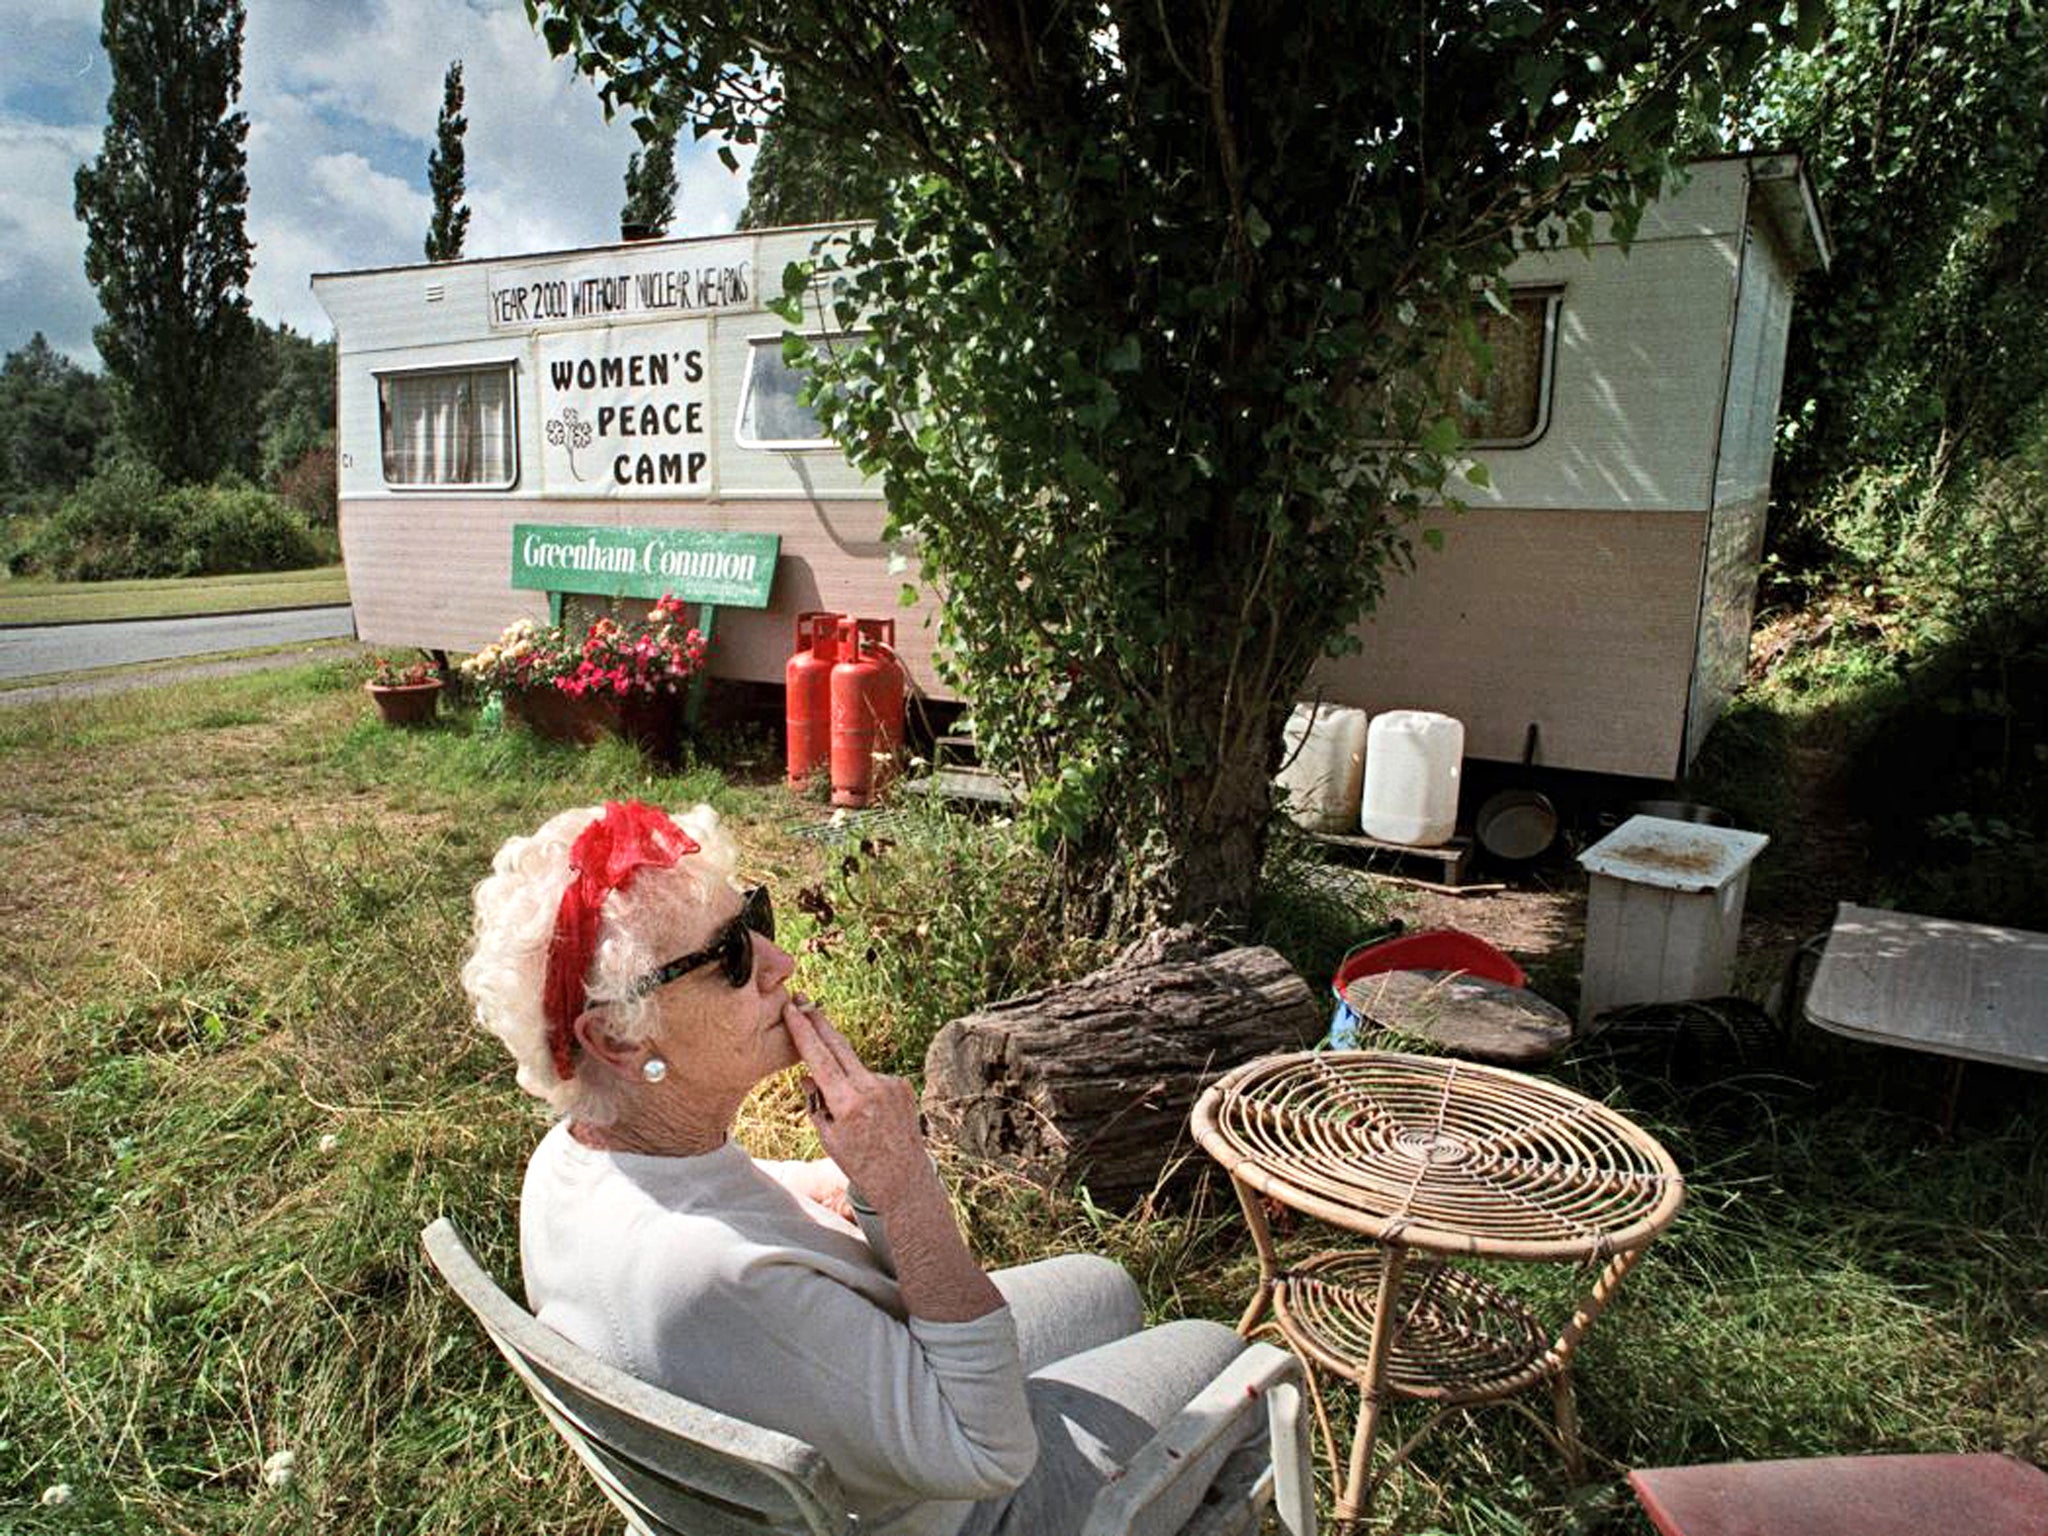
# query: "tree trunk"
[1198,852]
[1092,1082]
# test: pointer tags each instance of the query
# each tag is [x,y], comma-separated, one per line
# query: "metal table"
[1430,1158]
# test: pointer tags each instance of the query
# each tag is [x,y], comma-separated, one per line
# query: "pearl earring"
[654,1069]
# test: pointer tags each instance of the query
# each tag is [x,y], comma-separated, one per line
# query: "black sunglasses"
[733,948]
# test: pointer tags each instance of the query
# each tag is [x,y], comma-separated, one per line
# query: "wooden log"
[1092,1082]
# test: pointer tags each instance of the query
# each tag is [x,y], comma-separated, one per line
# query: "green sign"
[733,570]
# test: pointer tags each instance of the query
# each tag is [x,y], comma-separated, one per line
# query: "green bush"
[1979,551]
[122,523]
[238,528]
[932,918]
[1952,755]
[117,523]
[1964,559]
[22,516]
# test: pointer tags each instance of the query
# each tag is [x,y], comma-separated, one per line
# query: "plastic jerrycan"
[1413,758]
[1323,766]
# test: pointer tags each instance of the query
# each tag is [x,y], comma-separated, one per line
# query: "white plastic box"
[1663,912]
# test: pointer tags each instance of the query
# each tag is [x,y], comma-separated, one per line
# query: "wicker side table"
[1431,1158]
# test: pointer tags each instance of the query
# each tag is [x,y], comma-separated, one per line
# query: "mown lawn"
[237,1076]
[37,600]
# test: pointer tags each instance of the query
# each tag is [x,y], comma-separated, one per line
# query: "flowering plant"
[527,655]
[654,656]
[388,672]
[642,659]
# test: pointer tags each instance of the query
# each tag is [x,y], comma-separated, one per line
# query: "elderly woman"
[640,990]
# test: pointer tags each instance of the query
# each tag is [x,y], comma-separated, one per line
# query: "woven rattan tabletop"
[1441,1154]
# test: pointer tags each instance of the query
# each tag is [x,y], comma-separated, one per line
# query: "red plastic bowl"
[1433,949]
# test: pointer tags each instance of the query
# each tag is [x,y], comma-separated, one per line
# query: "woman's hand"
[865,1120]
[824,1182]
[868,1123]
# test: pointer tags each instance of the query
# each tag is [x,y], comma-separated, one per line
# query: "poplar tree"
[444,173]
[166,245]
[807,174]
[650,205]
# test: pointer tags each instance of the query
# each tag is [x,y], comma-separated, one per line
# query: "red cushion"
[1983,1495]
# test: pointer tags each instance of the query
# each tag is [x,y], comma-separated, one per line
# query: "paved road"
[43,649]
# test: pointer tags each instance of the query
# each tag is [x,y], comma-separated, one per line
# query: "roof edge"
[1785,193]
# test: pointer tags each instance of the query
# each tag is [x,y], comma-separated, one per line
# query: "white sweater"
[704,1275]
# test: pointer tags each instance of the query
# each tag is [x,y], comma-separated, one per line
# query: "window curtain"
[448,428]
[491,427]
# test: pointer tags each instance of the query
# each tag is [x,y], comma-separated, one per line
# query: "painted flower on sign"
[569,431]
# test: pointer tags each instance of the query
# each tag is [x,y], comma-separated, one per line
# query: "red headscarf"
[627,836]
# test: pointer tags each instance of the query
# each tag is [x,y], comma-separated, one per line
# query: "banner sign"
[733,570]
[624,285]
[623,411]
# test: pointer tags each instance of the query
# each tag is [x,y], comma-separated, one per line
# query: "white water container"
[1322,770]
[1412,761]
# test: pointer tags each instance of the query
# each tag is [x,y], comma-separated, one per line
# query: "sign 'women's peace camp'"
[624,411]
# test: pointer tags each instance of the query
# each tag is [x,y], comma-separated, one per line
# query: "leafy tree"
[804,175]
[1157,279]
[444,172]
[53,417]
[295,412]
[308,486]
[650,205]
[163,207]
[1926,344]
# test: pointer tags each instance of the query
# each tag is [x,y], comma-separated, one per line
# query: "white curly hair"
[515,925]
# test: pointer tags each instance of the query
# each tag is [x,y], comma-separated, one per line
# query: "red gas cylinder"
[867,707]
[807,694]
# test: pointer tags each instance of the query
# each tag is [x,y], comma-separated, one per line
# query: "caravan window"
[449,426]
[771,416]
[1512,407]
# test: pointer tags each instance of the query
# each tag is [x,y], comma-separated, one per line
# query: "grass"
[237,1077]
[38,600]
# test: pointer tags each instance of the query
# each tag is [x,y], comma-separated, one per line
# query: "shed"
[1601,588]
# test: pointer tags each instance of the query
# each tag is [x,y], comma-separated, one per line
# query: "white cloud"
[341,97]
[42,275]
[543,169]
[367,200]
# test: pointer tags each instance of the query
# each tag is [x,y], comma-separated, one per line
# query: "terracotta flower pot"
[654,724]
[556,716]
[405,703]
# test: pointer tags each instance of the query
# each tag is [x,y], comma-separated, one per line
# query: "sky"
[341,97]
